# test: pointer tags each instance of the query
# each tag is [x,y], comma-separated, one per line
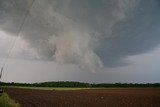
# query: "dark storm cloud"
[136,35]
[89,33]
[12,13]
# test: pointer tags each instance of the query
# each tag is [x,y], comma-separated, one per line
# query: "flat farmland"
[110,97]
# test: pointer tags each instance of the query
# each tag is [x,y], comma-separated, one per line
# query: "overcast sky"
[80,40]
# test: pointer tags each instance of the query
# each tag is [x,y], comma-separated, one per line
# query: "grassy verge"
[5,101]
[47,88]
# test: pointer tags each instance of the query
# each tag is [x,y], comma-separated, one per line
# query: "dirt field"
[127,97]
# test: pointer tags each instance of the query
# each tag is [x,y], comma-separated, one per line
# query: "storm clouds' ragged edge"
[88,33]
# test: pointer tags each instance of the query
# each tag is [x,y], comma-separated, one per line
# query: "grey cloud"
[136,35]
[12,13]
[89,33]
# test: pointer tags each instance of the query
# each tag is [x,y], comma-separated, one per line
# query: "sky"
[95,41]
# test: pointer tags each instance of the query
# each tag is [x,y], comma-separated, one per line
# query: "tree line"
[80,84]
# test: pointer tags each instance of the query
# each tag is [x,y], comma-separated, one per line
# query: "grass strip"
[47,88]
[5,101]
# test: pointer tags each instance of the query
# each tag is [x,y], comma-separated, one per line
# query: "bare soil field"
[112,97]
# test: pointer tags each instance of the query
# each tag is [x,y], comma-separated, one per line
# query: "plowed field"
[112,97]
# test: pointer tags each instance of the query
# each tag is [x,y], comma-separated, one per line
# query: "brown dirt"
[126,97]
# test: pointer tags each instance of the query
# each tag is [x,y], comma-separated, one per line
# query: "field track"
[118,97]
